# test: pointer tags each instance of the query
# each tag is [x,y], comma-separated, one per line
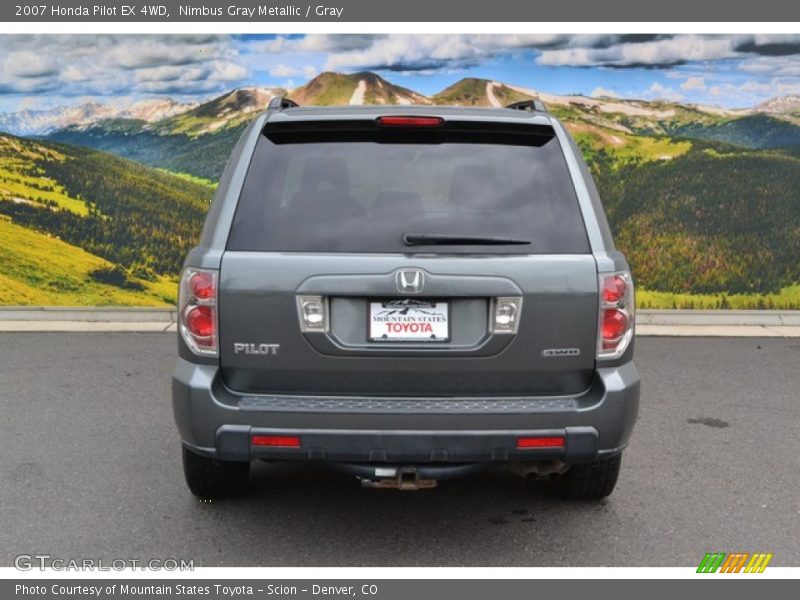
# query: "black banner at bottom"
[390,589]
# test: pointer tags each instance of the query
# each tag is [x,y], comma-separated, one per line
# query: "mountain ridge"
[42,122]
[364,87]
[197,141]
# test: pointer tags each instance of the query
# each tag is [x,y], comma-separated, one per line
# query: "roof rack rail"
[529,105]
[281,102]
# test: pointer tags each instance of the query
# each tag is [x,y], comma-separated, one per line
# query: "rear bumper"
[216,422]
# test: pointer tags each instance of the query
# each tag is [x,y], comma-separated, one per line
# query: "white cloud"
[416,53]
[134,53]
[289,71]
[423,52]
[658,91]
[321,43]
[223,70]
[171,73]
[694,83]
[775,66]
[75,74]
[366,51]
[28,64]
[420,52]
[118,64]
[751,91]
[283,71]
[670,51]
[601,92]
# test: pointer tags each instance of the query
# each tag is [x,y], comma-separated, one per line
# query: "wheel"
[590,481]
[211,478]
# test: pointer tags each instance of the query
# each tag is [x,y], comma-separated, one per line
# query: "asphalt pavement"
[90,467]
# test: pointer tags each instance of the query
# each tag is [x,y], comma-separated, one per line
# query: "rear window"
[363,190]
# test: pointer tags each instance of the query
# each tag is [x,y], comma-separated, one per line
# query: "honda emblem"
[410,281]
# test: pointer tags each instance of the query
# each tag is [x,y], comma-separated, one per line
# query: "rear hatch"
[443,258]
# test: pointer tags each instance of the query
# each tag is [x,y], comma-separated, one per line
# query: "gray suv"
[406,293]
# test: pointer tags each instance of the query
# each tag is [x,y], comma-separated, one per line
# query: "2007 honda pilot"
[406,293]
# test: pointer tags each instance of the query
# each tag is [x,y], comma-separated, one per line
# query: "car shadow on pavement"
[468,520]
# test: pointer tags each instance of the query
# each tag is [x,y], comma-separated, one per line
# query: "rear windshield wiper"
[443,239]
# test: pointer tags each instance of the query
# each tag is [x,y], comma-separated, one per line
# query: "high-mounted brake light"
[197,311]
[400,121]
[616,317]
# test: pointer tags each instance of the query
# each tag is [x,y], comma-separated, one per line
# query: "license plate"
[409,320]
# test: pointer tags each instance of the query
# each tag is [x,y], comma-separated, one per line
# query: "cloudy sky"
[40,72]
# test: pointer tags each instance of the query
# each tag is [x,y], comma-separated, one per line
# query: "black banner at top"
[265,11]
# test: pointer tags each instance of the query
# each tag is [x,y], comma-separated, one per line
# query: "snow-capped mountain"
[780,105]
[155,109]
[42,122]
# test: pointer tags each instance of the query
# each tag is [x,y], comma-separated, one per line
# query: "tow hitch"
[403,478]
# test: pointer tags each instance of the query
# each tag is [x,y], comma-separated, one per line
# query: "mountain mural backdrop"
[98,205]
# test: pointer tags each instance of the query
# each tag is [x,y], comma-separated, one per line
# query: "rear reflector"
[410,121]
[276,441]
[539,442]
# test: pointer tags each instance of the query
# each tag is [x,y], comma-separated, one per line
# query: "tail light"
[197,311]
[616,318]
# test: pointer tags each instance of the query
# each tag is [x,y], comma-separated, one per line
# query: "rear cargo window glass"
[363,192]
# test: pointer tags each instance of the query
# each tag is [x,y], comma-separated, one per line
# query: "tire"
[211,478]
[590,481]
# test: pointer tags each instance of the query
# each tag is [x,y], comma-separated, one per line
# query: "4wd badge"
[552,352]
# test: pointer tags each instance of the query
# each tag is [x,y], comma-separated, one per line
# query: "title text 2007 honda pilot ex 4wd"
[406,293]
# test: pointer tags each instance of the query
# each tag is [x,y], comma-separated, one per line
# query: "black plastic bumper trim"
[233,442]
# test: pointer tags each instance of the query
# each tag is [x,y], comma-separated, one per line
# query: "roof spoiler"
[281,103]
[529,105]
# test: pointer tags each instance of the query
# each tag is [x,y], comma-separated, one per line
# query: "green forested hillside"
[703,201]
[41,270]
[203,156]
[752,131]
[197,141]
[136,223]
[711,220]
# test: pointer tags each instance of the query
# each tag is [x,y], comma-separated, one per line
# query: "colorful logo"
[736,562]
